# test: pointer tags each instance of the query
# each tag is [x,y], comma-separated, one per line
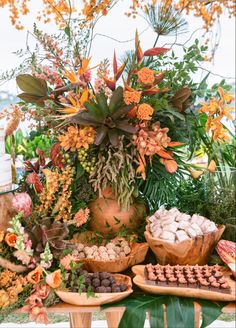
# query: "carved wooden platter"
[140,281]
[100,298]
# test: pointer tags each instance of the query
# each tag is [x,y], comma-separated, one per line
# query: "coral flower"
[10,239]
[170,165]
[33,179]
[144,112]
[22,203]
[212,166]
[81,217]
[228,98]
[67,260]
[146,76]
[34,276]
[132,97]
[54,279]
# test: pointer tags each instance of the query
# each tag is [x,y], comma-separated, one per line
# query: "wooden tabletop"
[67,308]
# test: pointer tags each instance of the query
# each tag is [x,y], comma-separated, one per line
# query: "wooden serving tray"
[100,298]
[139,280]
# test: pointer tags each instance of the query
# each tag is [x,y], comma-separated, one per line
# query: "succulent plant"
[109,119]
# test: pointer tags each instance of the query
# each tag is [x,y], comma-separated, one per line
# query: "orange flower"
[54,279]
[170,165]
[228,98]
[67,260]
[144,112]
[81,217]
[210,108]
[132,97]
[213,123]
[76,138]
[10,239]
[146,76]
[221,135]
[34,276]
[212,166]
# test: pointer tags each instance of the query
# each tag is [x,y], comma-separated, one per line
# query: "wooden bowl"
[192,251]
[136,256]
[100,298]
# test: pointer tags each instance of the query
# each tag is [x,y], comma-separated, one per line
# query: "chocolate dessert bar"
[203,277]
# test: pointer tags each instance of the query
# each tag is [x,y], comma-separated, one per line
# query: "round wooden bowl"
[100,298]
[192,251]
[137,255]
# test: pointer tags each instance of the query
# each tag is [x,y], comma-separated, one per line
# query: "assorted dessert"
[174,226]
[205,277]
[98,282]
[113,250]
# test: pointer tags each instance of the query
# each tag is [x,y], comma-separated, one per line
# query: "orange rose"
[144,112]
[34,276]
[54,279]
[10,239]
[146,76]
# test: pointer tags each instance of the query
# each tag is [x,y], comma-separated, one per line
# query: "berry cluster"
[86,160]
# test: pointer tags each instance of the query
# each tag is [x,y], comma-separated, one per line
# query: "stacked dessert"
[5,165]
[203,277]
[174,226]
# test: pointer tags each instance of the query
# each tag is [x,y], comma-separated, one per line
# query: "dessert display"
[113,250]
[98,282]
[5,165]
[205,277]
[89,289]
[174,226]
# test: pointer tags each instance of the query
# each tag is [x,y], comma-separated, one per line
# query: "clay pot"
[108,218]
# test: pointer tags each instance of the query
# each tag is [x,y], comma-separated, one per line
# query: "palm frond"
[165,21]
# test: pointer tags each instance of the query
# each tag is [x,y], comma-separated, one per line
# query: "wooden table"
[81,317]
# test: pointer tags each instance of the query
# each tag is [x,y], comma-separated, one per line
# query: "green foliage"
[165,21]
[27,145]
[180,311]
[109,119]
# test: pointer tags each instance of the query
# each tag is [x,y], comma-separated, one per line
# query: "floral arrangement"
[125,135]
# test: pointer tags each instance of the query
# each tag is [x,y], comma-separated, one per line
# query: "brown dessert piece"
[222,280]
[172,281]
[218,274]
[204,284]
[161,281]
[214,286]
[212,279]
[224,288]
[207,274]
[182,282]
[192,283]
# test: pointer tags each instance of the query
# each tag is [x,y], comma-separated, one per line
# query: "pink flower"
[66,261]
[42,291]
[22,203]
[33,179]
[81,217]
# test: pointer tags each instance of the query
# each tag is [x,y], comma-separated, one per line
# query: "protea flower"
[22,203]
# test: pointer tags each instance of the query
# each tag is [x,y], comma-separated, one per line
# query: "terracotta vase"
[108,217]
